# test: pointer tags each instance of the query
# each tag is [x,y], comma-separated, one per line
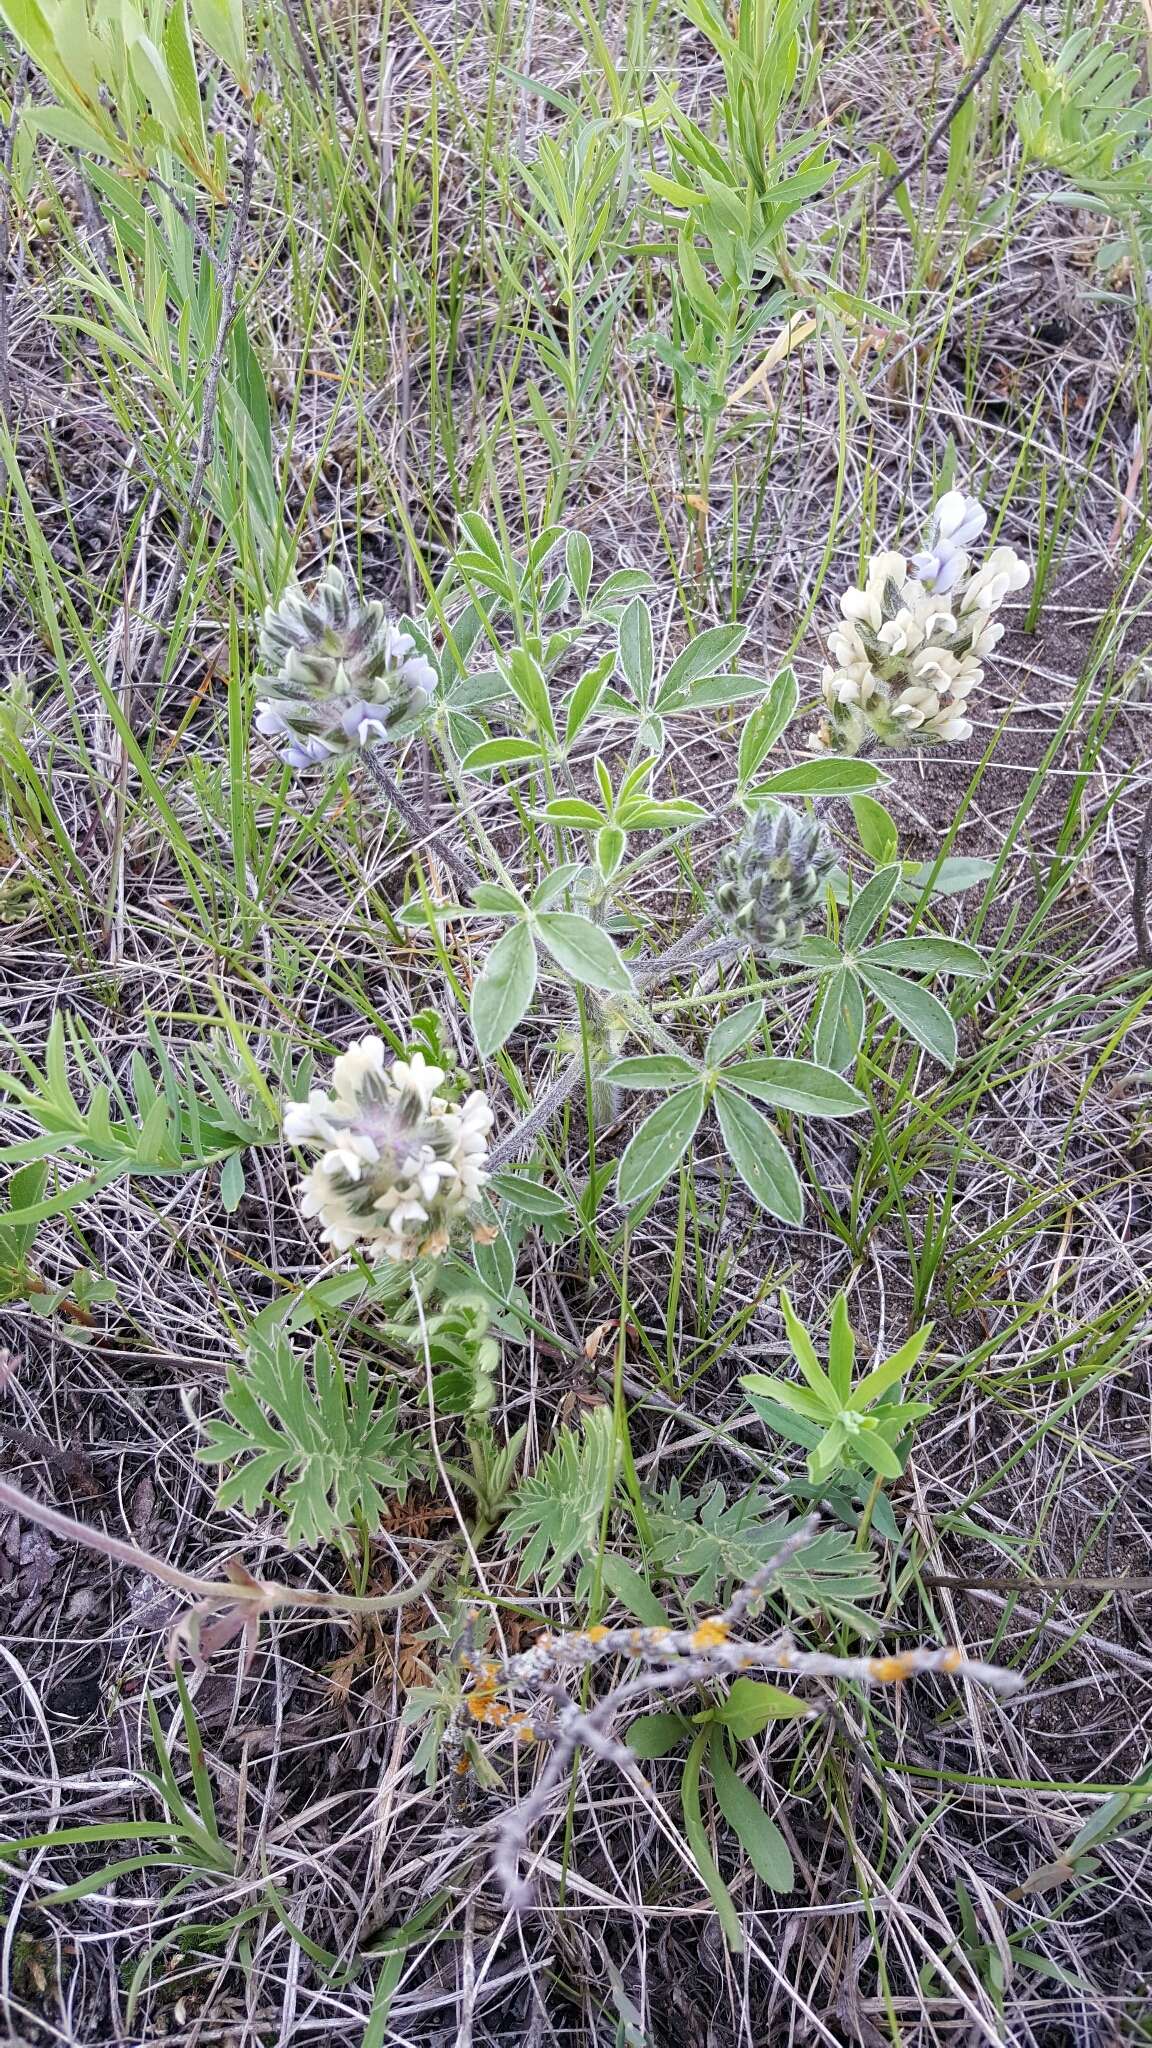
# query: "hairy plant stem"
[571,1075]
[458,865]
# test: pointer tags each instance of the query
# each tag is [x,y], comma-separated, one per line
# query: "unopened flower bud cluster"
[400,1163]
[914,639]
[341,675]
[771,879]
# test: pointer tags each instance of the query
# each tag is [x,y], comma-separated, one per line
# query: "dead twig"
[223,1609]
[1140,890]
[959,100]
[6,160]
[690,1657]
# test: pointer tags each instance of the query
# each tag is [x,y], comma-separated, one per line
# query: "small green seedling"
[847,1426]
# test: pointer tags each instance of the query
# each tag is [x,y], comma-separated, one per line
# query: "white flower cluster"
[914,639]
[400,1163]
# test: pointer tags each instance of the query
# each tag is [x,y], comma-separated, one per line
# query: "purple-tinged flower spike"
[400,1163]
[339,675]
[956,523]
[909,648]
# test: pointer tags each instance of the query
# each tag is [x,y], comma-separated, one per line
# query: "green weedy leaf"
[759,1836]
[185,83]
[764,726]
[696,1835]
[759,1157]
[636,655]
[733,1032]
[584,950]
[829,776]
[798,1085]
[928,956]
[915,1008]
[633,1592]
[751,1704]
[25,1189]
[503,989]
[651,1070]
[318,1445]
[885,1375]
[804,1352]
[654,1735]
[869,907]
[796,1400]
[560,1508]
[876,828]
[221,23]
[839,1025]
[708,655]
[658,1146]
[150,76]
[841,1349]
[32,29]
[578,562]
[701,1539]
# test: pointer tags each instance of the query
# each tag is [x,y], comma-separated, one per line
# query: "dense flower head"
[770,880]
[913,640]
[340,675]
[400,1162]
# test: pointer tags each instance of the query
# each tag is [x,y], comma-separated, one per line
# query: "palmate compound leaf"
[560,1508]
[701,1538]
[318,1446]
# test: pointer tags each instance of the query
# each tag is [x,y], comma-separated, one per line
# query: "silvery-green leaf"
[799,1085]
[928,956]
[659,1145]
[503,989]
[916,1008]
[839,1031]
[636,655]
[733,1032]
[869,906]
[584,950]
[764,726]
[651,1070]
[828,776]
[759,1157]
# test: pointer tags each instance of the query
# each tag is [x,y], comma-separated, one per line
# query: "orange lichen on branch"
[709,1635]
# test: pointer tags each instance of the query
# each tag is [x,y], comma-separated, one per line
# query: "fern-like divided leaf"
[559,1509]
[318,1447]
[701,1538]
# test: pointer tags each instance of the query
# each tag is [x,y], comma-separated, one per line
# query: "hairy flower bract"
[341,674]
[770,879]
[400,1162]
